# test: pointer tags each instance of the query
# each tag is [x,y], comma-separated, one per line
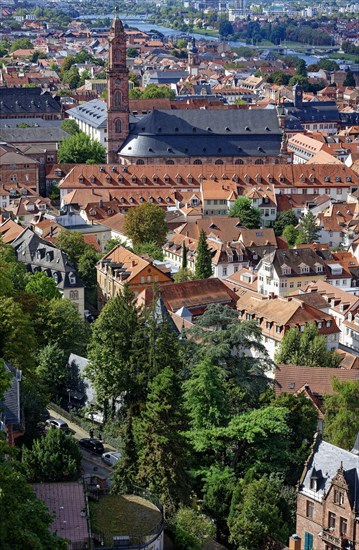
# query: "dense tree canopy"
[146,224]
[248,215]
[307,348]
[341,418]
[203,268]
[45,286]
[55,457]
[79,148]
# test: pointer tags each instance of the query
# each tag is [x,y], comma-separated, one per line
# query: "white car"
[56,423]
[110,458]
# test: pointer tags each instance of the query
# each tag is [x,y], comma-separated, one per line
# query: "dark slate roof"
[92,112]
[11,403]
[33,122]
[26,101]
[293,258]
[311,112]
[32,135]
[324,464]
[41,255]
[222,133]
[167,77]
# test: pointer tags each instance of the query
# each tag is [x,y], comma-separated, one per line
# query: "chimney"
[295,542]
[133,263]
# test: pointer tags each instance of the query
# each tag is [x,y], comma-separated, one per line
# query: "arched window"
[197,161]
[118,126]
[117,99]
[117,54]
[219,161]
[239,161]
[140,161]
[169,162]
[259,161]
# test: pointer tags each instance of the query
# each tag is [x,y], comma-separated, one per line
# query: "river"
[145,26]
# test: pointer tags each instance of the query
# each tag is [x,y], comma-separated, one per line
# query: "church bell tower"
[117,91]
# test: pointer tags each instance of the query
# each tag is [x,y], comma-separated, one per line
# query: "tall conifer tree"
[204,259]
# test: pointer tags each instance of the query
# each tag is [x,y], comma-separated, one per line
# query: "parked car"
[56,423]
[110,458]
[90,318]
[92,445]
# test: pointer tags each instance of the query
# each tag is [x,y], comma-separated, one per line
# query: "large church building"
[196,136]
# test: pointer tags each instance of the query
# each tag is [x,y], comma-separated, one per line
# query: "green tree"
[205,398]
[225,341]
[341,418]
[307,348]
[191,529]
[39,283]
[132,52]
[163,456]
[301,67]
[81,149]
[291,234]
[260,511]
[72,243]
[55,457]
[183,275]
[21,44]
[51,369]
[309,231]
[225,28]
[146,223]
[150,249]
[112,243]
[285,218]
[63,325]
[203,268]
[71,77]
[248,215]
[111,348]
[125,470]
[25,520]
[349,79]
[70,126]
[67,63]
[88,274]
[17,335]
[13,274]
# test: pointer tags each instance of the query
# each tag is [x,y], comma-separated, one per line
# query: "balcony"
[326,535]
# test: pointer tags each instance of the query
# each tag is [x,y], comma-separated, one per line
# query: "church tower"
[117,91]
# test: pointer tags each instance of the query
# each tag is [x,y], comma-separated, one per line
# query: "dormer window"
[313,484]
[328,324]
[320,324]
[304,268]
[48,256]
[120,179]
[159,199]
[143,179]
[286,270]
[141,199]
[131,200]
[108,178]
[318,268]
[133,179]
[72,278]
[190,179]
[155,179]
[92,179]
[55,277]
[152,199]
[166,179]
[178,179]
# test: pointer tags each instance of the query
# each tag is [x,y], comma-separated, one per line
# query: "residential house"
[283,271]
[338,225]
[10,407]
[120,267]
[277,315]
[314,382]
[189,300]
[17,171]
[40,255]
[327,504]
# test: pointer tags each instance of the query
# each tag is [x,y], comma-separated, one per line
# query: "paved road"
[92,464]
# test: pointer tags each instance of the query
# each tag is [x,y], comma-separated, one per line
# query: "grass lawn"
[123,515]
[345,56]
[205,32]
